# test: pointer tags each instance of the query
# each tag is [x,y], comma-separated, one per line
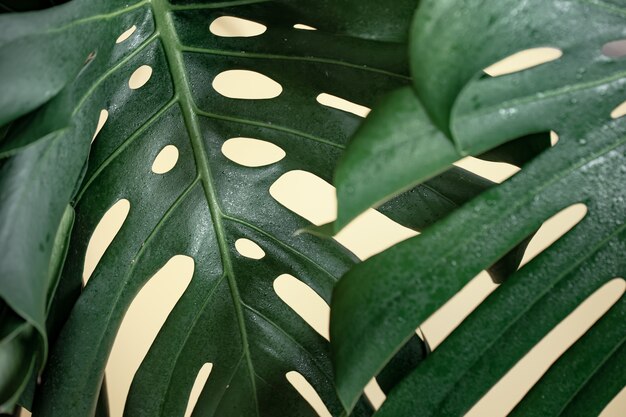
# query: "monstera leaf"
[452,110]
[63,67]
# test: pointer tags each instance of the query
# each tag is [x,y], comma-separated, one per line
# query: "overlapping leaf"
[455,111]
[62,66]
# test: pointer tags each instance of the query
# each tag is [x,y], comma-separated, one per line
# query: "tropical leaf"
[454,110]
[60,68]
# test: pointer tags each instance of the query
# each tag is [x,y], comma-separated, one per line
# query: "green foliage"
[453,110]
[61,66]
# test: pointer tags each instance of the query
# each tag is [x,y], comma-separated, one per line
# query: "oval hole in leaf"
[615,49]
[553,229]
[307,392]
[199,383]
[136,334]
[236,27]
[303,27]
[311,197]
[494,171]
[248,85]
[249,249]
[342,104]
[166,160]
[617,405]
[103,235]
[126,34]
[619,111]
[524,60]
[307,195]
[140,77]
[305,301]
[252,152]
[505,395]
[554,138]
[102,119]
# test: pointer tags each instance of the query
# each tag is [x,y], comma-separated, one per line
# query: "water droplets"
[507,112]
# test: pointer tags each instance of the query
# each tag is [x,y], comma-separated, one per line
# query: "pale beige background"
[314,199]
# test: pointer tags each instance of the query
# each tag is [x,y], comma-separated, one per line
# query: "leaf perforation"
[114,69]
[174,57]
[568,89]
[138,255]
[194,322]
[131,138]
[524,201]
[280,243]
[281,330]
[560,275]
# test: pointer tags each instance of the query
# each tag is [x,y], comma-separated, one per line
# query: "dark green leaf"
[392,293]
[229,314]
[594,363]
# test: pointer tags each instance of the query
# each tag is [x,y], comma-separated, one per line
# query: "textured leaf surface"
[379,303]
[229,315]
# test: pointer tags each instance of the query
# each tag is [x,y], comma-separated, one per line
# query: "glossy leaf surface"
[380,302]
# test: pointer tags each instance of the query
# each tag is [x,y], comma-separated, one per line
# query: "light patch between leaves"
[307,195]
[615,49]
[102,119]
[374,394]
[252,152]
[198,385]
[311,197]
[140,77]
[616,407]
[619,111]
[524,60]
[306,390]
[303,27]
[103,235]
[305,302]
[553,229]
[554,138]
[248,85]
[505,395]
[236,27]
[342,104]
[136,334]
[166,160]
[494,171]
[127,34]
[249,249]
[448,317]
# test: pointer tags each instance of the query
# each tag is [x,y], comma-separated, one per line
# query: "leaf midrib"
[174,57]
